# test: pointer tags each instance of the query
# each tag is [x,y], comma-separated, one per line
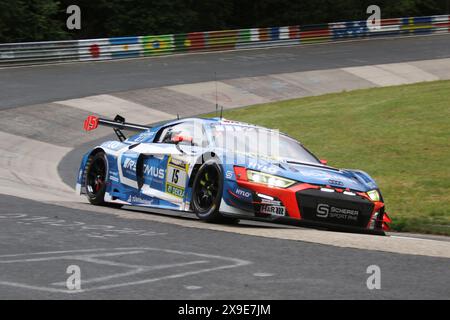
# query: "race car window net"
[184,129]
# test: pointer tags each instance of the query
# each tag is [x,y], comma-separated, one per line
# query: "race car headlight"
[268,179]
[374,195]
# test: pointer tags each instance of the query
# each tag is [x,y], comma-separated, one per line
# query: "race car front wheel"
[207,193]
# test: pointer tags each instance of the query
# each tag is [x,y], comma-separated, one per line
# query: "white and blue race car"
[224,171]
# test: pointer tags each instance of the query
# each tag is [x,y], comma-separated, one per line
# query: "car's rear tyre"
[207,193]
[96,179]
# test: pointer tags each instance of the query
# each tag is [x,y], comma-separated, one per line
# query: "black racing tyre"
[95,180]
[207,193]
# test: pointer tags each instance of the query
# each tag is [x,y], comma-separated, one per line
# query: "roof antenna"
[221,112]
[178,116]
[217,98]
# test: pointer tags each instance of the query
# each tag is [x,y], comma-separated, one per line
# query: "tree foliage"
[22,20]
[36,20]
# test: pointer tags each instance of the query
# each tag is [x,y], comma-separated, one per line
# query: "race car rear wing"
[92,122]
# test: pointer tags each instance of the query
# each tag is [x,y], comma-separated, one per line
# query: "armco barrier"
[155,45]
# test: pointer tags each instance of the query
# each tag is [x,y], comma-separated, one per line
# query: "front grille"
[334,208]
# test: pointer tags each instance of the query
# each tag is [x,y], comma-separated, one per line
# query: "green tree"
[34,20]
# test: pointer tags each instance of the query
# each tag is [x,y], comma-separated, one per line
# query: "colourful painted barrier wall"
[156,45]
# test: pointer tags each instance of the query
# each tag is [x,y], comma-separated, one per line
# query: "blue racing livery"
[225,170]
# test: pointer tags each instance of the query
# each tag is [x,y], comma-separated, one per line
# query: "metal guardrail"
[13,54]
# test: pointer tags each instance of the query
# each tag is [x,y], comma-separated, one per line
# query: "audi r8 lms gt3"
[224,171]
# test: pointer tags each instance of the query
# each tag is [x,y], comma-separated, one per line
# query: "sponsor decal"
[113,178]
[316,174]
[143,136]
[127,169]
[114,173]
[154,172]
[245,194]
[175,190]
[323,210]
[177,162]
[149,171]
[177,173]
[139,200]
[273,210]
[129,164]
[262,168]
[335,182]
[271,202]
[112,145]
[327,211]
[229,174]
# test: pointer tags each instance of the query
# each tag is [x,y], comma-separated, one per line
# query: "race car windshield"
[260,142]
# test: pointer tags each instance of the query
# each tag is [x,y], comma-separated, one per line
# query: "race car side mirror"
[324,162]
[178,139]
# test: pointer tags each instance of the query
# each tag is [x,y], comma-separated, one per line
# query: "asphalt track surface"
[123,256]
[33,85]
[188,263]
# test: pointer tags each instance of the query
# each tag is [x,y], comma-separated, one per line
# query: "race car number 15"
[176,179]
[175,173]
